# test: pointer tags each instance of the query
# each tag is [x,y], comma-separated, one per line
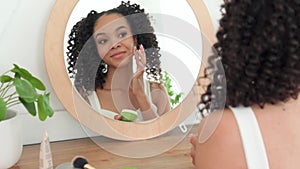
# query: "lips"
[118,55]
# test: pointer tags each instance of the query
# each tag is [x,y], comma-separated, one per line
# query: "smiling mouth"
[118,55]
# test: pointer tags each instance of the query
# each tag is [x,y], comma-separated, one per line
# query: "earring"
[105,69]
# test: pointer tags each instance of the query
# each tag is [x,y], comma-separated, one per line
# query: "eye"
[122,35]
[102,41]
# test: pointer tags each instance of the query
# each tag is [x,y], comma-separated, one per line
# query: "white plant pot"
[11,145]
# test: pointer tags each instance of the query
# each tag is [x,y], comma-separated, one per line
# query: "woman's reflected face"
[114,40]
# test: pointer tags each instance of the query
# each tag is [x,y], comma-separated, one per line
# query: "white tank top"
[95,104]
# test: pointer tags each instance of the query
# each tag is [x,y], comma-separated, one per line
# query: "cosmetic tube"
[45,153]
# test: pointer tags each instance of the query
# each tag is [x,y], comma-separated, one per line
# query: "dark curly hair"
[83,60]
[259,47]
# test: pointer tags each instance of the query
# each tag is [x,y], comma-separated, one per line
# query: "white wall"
[22,28]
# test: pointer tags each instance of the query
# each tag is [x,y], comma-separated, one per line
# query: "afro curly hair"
[259,48]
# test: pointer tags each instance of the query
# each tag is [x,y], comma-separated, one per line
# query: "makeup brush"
[82,163]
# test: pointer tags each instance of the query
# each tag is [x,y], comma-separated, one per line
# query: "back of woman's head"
[259,48]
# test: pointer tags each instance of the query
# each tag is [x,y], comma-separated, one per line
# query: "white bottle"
[45,153]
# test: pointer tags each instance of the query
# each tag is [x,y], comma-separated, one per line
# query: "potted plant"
[18,86]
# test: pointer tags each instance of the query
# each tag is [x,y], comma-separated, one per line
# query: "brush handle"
[87,166]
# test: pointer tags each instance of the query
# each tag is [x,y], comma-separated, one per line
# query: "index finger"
[193,139]
[143,54]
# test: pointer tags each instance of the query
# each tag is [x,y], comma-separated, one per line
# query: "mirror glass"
[123,90]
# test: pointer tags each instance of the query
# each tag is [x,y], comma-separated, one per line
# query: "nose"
[116,45]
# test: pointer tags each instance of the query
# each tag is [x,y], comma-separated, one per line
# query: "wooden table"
[62,152]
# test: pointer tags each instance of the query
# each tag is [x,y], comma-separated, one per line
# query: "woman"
[100,54]
[259,47]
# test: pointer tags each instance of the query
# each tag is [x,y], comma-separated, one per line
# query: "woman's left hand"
[137,83]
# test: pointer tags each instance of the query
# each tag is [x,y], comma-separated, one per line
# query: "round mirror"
[112,90]
[180,58]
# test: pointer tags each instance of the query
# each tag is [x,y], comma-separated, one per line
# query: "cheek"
[102,51]
[129,43]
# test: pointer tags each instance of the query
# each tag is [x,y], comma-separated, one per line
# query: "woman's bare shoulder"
[224,146]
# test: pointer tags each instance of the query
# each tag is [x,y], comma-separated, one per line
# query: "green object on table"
[129,115]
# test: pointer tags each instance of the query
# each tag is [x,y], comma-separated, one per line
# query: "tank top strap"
[254,148]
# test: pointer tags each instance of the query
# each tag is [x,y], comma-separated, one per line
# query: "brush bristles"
[79,162]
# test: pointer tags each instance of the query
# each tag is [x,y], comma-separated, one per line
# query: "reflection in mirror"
[114,61]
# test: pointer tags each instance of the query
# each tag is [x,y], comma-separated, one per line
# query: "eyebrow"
[102,33]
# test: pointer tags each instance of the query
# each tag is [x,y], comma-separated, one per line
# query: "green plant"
[18,86]
[174,97]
